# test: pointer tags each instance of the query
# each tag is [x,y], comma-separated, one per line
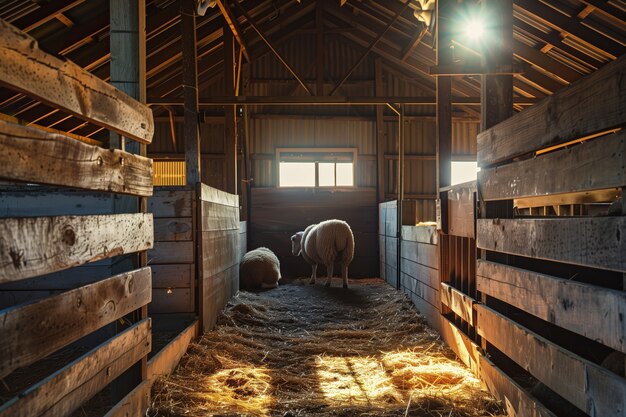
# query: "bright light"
[297,174]
[345,174]
[463,171]
[474,28]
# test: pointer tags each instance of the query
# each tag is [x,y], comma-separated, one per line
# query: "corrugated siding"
[168,173]
[464,138]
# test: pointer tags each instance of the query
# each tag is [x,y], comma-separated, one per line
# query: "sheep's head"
[296,243]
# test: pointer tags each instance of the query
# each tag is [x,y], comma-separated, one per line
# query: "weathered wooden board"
[135,403]
[460,343]
[35,156]
[173,276]
[461,210]
[381,248]
[46,201]
[171,253]
[422,273]
[65,85]
[220,251]
[216,291]
[171,300]
[421,234]
[171,203]
[421,253]
[430,312]
[382,215]
[423,291]
[592,241]
[172,229]
[461,304]
[597,164]
[594,312]
[588,386]
[216,216]
[36,246]
[590,105]
[518,403]
[391,249]
[93,370]
[583,197]
[166,360]
[32,331]
[243,239]
[213,195]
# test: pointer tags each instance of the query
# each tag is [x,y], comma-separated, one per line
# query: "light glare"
[474,28]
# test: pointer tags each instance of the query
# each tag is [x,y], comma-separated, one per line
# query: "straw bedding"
[302,350]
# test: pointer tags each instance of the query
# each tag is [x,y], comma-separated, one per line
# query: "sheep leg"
[329,269]
[313,273]
[344,275]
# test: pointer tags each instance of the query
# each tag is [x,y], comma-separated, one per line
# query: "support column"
[380,134]
[191,134]
[230,122]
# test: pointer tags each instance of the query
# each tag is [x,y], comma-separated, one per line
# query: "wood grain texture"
[135,403]
[590,105]
[172,276]
[40,245]
[171,203]
[65,85]
[588,386]
[90,370]
[423,291]
[214,195]
[518,403]
[35,156]
[594,312]
[171,253]
[174,300]
[461,210]
[422,273]
[172,229]
[460,343]
[220,251]
[592,241]
[166,360]
[455,300]
[421,234]
[421,253]
[597,164]
[216,291]
[215,216]
[32,331]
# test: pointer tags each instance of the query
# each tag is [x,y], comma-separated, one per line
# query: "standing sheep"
[325,243]
[259,268]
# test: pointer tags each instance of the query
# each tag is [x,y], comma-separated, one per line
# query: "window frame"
[329,152]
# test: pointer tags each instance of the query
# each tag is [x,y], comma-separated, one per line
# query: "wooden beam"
[166,360]
[415,40]
[36,156]
[63,84]
[272,48]
[34,246]
[29,335]
[230,120]
[370,47]
[234,27]
[319,48]
[559,239]
[594,104]
[590,387]
[191,133]
[66,389]
[544,62]
[136,403]
[589,310]
[461,304]
[44,14]
[381,165]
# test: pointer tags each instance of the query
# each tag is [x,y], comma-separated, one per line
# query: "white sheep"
[325,243]
[259,268]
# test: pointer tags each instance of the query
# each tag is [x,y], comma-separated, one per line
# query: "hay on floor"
[304,350]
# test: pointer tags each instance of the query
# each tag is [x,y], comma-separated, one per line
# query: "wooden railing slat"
[32,155]
[65,85]
[39,245]
[33,331]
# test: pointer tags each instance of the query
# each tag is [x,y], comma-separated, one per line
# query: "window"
[464,171]
[316,167]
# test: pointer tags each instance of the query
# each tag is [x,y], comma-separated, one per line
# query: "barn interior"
[147,145]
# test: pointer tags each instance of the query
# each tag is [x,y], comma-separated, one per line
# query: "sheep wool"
[326,243]
[259,269]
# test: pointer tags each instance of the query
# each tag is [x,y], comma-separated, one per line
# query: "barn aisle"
[302,350]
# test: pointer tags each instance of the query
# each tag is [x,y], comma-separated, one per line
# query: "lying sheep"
[325,243]
[259,268]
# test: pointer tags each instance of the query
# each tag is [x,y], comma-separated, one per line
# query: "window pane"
[327,174]
[297,174]
[464,171]
[345,174]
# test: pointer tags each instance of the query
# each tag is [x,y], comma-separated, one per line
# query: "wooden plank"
[135,403]
[588,386]
[214,195]
[40,245]
[220,251]
[166,360]
[455,300]
[421,234]
[421,253]
[422,273]
[172,276]
[584,197]
[172,229]
[592,104]
[171,253]
[52,202]
[65,85]
[67,388]
[462,210]
[588,310]
[35,156]
[171,203]
[460,343]
[32,331]
[591,241]
[216,291]
[430,312]
[216,217]
[518,403]
[597,164]
[172,300]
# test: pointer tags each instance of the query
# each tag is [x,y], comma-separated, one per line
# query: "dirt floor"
[308,350]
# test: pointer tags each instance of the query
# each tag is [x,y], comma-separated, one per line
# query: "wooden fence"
[36,334]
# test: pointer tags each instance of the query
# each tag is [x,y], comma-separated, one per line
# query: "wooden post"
[380,134]
[230,123]
[191,134]
[319,47]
